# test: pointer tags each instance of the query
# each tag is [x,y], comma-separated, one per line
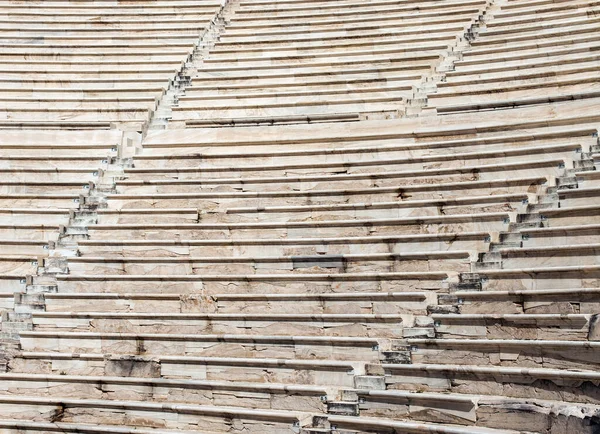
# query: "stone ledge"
[497,343]
[315,340]
[376,424]
[290,241]
[458,157]
[486,372]
[469,200]
[419,220]
[371,296]
[349,367]
[428,275]
[316,259]
[228,412]
[63,427]
[172,383]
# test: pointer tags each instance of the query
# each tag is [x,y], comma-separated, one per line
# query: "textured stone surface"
[255,216]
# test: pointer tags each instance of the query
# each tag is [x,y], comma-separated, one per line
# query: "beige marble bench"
[549,85]
[34,216]
[24,103]
[135,413]
[350,72]
[417,26]
[280,11]
[580,47]
[473,241]
[557,58]
[557,301]
[564,31]
[551,20]
[35,247]
[171,196]
[15,426]
[418,162]
[332,303]
[54,125]
[360,325]
[327,228]
[532,43]
[449,14]
[581,61]
[210,212]
[514,8]
[23,231]
[318,107]
[206,88]
[540,383]
[554,255]
[161,183]
[490,411]
[296,6]
[578,196]
[541,277]
[519,101]
[80,85]
[253,283]
[452,184]
[567,216]
[182,153]
[260,370]
[27,179]
[371,424]
[590,178]
[218,393]
[375,210]
[308,96]
[486,127]
[369,41]
[523,353]
[18,264]
[88,165]
[357,262]
[57,201]
[36,187]
[270,120]
[309,348]
[547,326]
[58,115]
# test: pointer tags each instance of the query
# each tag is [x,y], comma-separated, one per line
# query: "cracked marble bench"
[261,370]
[333,303]
[540,277]
[489,411]
[554,384]
[490,221]
[299,246]
[507,352]
[557,301]
[254,283]
[269,396]
[537,327]
[146,414]
[310,348]
[346,263]
[383,325]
